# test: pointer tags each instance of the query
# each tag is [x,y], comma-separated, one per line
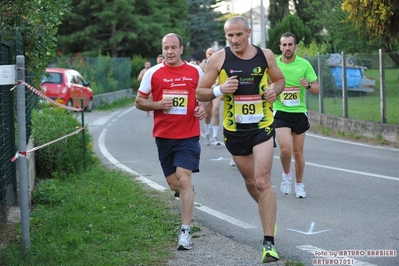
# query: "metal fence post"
[344,88]
[22,160]
[382,89]
[83,134]
[320,79]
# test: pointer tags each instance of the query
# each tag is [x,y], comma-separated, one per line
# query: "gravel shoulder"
[214,249]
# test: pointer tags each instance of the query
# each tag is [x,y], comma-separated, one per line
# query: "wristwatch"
[309,85]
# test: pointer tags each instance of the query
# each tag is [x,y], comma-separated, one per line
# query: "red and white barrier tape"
[40,94]
[23,153]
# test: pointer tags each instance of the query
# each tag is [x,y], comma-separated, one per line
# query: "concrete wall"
[111,96]
[362,128]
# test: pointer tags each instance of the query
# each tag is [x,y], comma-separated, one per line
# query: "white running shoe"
[185,240]
[216,141]
[208,140]
[232,162]
[286,184]
[300,190]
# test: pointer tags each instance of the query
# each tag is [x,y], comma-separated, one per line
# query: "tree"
[121,28]
[37,21]
[204,27]
[378,20]
[278,10]
[293,24]
[304,9]
[334,29]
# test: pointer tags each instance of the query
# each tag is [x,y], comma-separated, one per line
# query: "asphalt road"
[351,213]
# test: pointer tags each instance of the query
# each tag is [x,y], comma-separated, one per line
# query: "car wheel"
[89,106]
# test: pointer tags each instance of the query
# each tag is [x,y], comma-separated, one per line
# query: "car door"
[83,93]
[74,90]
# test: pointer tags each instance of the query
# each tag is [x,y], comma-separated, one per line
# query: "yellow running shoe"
[269,253]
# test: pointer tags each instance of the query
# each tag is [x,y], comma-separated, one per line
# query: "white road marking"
[352,143]
[310,231]
[349,171]
[225,217]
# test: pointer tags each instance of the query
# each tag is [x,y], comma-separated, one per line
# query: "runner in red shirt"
[177,115]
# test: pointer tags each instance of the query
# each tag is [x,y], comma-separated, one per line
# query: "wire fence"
[360,86]
[105,74]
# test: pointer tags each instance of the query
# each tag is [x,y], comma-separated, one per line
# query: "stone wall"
[363,128]
[111,96]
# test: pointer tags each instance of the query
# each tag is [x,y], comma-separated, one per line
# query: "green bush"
[47,193]
[136,65]
[63,157]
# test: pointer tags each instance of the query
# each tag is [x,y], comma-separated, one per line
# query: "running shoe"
[208,140]
[232,162]
[286,184]
[269,253]
[184,240]
[300,190]
[216,141]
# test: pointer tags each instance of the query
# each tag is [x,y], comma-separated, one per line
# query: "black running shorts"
[242,142]
[298,122]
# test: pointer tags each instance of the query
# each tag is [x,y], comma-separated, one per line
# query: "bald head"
[237,20]
[209,52]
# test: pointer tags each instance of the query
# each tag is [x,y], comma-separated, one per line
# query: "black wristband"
[309,86]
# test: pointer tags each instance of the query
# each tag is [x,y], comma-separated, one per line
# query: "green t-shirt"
[293,98]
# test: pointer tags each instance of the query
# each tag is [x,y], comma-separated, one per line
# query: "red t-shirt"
[180,83]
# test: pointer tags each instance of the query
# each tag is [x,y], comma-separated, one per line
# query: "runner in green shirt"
[290,112]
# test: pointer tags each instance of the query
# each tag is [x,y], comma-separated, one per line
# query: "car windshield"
[52,78]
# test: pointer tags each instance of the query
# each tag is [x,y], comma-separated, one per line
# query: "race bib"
[179,99]
[291,96]
[248,108]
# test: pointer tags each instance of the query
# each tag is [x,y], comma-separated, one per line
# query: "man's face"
[171,50]
[147,65]
[287,46]
[237,36]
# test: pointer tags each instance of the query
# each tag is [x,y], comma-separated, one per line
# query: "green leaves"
[37,21]
[120,28]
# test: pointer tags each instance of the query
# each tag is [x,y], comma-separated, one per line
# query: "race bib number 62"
[179,101]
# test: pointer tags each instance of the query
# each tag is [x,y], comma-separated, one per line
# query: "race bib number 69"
[248,108]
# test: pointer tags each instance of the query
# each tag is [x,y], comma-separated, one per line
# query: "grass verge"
[101,217]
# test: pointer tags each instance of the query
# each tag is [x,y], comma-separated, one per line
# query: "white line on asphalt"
[225,217]
[115,162]
[352,142]
[312,249]
[348,171]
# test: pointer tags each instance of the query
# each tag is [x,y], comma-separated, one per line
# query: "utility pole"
[22,161]
[252,24]
[262,25]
